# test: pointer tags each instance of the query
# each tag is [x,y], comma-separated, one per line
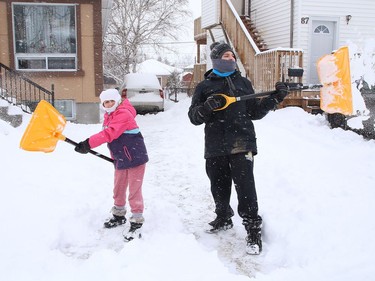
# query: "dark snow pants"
[239,168]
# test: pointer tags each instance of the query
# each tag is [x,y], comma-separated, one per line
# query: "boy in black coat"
[230,141]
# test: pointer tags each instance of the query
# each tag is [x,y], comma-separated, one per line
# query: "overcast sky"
[185,47]
[195,7]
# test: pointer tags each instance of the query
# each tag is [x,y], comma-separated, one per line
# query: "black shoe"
[115,221]
[134,231]
[254,236]
[254,242]
[220,224]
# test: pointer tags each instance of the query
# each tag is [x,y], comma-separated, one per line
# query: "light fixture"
[348,18]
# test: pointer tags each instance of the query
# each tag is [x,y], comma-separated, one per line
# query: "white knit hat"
[110,94]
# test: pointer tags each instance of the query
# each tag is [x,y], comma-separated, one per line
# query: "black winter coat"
[228,131]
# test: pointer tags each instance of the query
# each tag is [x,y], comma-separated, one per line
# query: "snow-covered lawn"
[315,187]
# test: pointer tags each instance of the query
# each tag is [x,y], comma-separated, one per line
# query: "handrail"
[264,69]
[21,91]
[229,7]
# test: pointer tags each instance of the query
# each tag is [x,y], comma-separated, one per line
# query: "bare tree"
[138,23]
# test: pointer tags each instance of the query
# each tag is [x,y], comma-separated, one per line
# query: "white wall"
[210,13]
[361,25]
[271,18]
[359,29]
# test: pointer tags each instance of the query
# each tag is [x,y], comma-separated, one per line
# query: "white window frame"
[72,106]
[44,56]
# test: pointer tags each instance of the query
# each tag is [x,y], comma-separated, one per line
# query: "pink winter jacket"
[115,124]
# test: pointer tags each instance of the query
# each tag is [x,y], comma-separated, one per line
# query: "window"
[45,37]
[321,29]
[66,108]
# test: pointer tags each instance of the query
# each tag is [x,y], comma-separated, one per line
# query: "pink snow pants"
[132,178]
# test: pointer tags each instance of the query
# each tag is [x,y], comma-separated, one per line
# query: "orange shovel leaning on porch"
[45,130]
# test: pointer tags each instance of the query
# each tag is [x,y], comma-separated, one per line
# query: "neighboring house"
[317,27]
[186,79]
[187,76]
[161,70]
[271,36]
[58,43]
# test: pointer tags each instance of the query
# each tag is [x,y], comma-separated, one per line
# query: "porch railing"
[264,69]
[277,65]
[21,91]
[198,76]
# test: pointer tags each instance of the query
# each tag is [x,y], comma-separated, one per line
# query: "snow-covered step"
[8,114]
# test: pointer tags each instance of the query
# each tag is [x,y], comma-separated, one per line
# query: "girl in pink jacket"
[128,150]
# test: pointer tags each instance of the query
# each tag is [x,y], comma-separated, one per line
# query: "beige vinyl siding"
[271,17]
[210,13]
[361,25]
[359,29]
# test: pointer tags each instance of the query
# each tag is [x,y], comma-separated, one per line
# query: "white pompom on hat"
[110,94]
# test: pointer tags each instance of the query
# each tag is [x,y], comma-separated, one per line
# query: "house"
[281,40]
[54,45]
[318,28]
[186,79]
[161,70]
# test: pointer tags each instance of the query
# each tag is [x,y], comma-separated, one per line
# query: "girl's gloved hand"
[83,147]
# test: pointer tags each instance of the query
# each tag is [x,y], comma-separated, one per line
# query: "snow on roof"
[141,81]
[189,66]
[156,67]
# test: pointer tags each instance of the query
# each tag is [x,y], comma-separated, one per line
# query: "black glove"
[281,91]
[213,102]
[83,147]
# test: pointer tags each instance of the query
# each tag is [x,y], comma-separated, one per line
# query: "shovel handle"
[90,151]
[229,100]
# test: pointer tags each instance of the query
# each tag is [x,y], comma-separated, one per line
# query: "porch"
[261,66]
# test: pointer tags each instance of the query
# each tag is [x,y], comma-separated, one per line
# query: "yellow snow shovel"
[334,74]
[45,130]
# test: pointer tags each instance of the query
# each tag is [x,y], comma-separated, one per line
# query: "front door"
[322,43]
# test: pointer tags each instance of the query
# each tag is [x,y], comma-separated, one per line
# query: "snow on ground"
[315,187]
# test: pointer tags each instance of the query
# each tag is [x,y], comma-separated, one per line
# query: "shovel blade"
[44,130]
[334,74]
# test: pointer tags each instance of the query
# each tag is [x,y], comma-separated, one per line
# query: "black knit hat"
[218,49]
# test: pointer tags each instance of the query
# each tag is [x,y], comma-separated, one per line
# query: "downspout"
[291,23]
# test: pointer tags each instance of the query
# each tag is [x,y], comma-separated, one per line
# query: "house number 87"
[304,20]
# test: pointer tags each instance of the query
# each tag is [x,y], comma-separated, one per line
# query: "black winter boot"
[254,236]
[115,221]
[134,231]
[220,224]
